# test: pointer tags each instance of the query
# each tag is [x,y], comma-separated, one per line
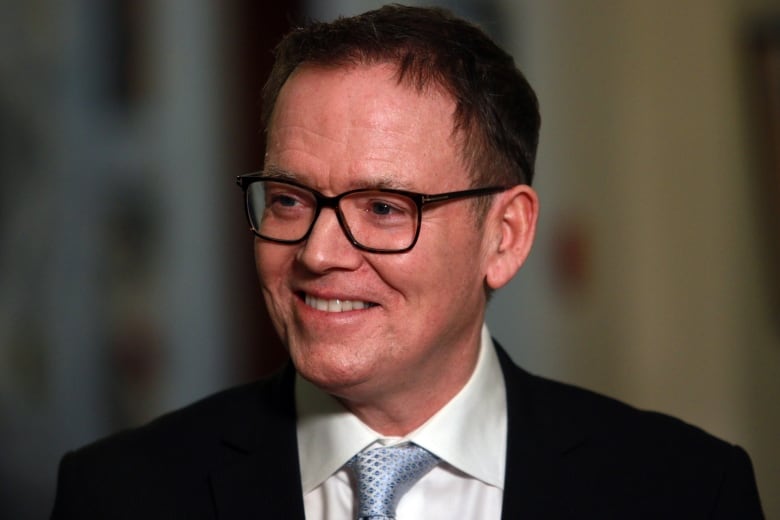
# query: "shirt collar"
[469,432]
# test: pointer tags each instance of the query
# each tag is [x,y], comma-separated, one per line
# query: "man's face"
[418,333]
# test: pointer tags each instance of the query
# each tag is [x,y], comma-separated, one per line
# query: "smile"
[336,305]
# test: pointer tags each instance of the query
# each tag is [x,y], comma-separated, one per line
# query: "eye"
[283,199]
[282,196]
[385,208]
[382,208]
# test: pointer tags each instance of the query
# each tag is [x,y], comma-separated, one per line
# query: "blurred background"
[127,284]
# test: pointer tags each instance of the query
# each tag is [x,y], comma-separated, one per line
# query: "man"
[394,198]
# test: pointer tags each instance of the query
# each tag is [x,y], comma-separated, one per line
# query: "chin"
[332,373]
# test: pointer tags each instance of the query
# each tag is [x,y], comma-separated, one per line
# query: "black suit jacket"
[570,454]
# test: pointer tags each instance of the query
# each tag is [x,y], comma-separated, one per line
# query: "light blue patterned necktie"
[385,474]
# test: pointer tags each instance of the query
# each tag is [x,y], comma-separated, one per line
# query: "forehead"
[358,121]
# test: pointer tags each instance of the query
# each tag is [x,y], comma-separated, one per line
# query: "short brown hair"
[496,109]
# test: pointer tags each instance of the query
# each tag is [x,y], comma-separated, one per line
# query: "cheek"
[272,264]
[261,262]
[439,269]
[460,270]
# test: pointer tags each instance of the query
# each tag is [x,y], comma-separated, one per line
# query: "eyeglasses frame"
[323,201]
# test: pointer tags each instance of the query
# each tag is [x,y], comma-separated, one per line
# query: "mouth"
[336,305]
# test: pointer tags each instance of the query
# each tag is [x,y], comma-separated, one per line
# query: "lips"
[336,305]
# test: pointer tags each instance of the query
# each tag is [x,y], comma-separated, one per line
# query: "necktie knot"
[385,474]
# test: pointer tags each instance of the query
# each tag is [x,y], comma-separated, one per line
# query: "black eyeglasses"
[374,220]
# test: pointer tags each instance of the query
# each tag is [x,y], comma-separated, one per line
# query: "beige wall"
[647,155]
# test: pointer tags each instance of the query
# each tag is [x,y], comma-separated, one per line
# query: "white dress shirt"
[468,434]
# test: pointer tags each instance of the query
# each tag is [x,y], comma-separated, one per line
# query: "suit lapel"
[260,477]
[536,447]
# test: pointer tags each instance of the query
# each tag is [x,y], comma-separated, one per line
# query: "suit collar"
[329,435]
[260,475]
[536,445]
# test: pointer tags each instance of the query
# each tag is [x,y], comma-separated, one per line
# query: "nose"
[327,247]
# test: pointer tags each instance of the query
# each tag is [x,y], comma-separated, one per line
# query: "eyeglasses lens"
[375,219]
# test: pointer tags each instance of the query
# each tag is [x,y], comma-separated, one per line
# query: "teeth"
[336,305]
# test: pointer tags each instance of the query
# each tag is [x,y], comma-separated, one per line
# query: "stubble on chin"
[333,367]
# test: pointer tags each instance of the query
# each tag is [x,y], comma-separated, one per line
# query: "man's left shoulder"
[590,441]
[562,407]
[601,418]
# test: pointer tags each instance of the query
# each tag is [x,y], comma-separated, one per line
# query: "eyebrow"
[280,173]
[382,181]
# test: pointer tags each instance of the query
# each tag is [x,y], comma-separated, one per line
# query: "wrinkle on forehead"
[378,181]
[386,119]
[360,124]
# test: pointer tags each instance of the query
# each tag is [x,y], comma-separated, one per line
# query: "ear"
[511,224]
